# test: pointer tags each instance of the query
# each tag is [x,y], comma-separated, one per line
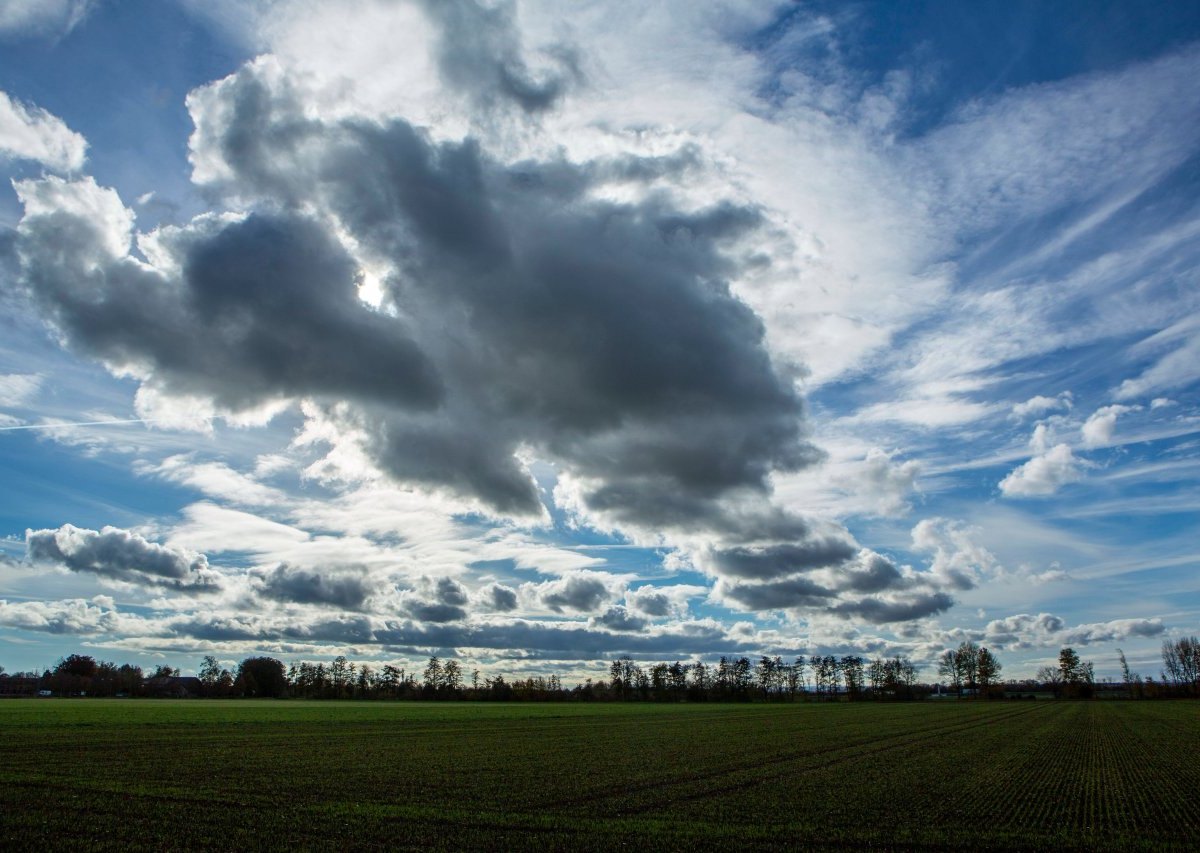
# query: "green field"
[116,774]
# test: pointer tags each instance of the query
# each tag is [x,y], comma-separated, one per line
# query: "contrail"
[76,424]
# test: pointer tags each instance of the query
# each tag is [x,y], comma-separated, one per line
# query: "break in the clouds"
[522,331]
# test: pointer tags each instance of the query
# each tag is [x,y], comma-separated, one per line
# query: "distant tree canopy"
[261,678]
[79,666]
[969,667]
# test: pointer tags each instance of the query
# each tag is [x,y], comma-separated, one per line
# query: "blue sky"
[537,337]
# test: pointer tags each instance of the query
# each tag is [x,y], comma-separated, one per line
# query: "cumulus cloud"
[885,482]
[1050,469]
[121,555]
[1036,407]
[773,561]
[957,557]
[437,600]
[347,588]
[618,618]
[1024,630]
[1097,431]
[75,616]
[867,587]
[500,598]
[524,310]
[263,307]
[883,610]
[31,133]
[660,602]
[578,592]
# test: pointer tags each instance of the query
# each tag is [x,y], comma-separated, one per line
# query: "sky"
[534,334]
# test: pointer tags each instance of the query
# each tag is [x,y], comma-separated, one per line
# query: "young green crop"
[243,774]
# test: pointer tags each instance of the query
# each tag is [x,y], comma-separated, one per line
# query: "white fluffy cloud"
[1097,431]
[31,133]
[1051,468]
[1024,630]
[956,556]
[1044,474]
[1037,406]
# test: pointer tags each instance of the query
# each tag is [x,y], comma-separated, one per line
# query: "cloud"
[1037,406]
[31,133]
[261,308]
[479,53]
[529,311]
[215,480]
[884,610]
[346,588]
[884,482]
[500,598]
[53,18]
[437,600]
[1050,469]
[772,561]
[617,618]
[75,617]
[1024,630]
[1176,369]
[1097,431]
[869,587]
[580,592]
[660,602]
[957,558]
[120,555]
[19,389]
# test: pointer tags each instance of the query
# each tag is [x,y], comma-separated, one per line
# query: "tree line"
[968,670]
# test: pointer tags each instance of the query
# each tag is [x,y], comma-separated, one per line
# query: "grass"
[116,774]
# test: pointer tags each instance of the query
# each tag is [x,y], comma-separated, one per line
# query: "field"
[116,774]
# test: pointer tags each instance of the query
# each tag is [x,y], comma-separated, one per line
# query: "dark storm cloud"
[479,52]
[880,611]
[264,307]
[123,556]
[338,588]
